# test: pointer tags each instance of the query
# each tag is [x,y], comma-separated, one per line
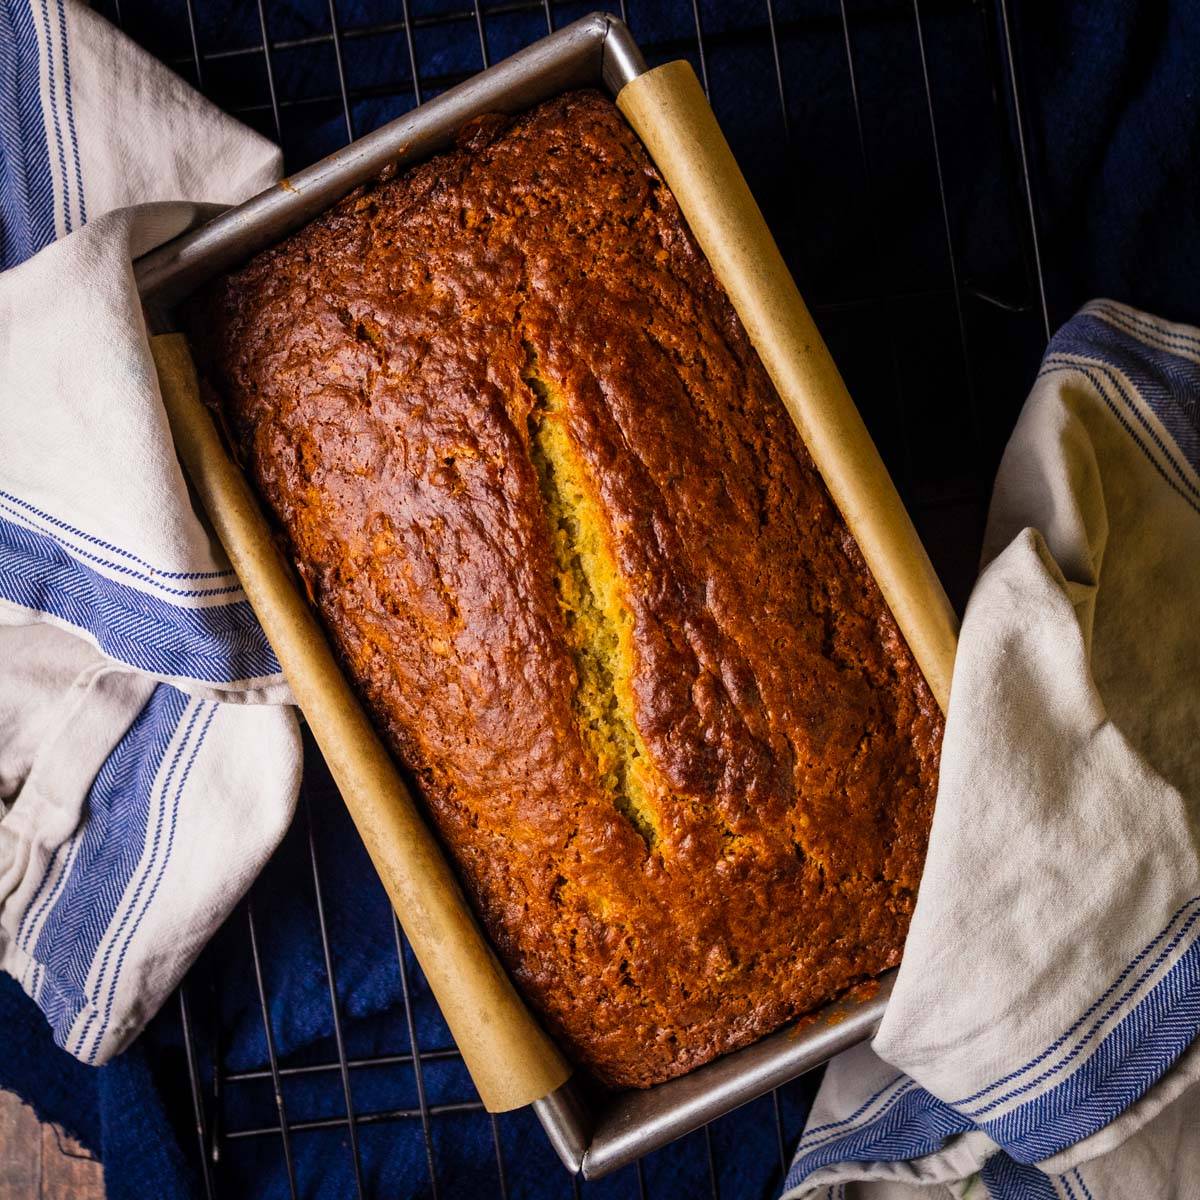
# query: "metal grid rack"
[974,321]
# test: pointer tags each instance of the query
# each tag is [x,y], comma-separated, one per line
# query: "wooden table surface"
[37,1162]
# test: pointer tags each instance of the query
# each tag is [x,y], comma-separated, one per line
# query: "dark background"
[949,180]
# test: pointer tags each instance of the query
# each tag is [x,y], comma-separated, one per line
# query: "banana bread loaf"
[583,573]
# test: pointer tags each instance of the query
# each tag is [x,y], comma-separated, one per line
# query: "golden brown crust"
[578,562]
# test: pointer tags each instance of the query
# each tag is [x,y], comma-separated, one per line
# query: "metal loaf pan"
[593,1132]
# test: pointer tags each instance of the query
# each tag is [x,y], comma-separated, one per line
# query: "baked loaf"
[580,567]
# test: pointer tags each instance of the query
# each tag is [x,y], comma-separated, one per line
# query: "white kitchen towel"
[1040,1040]
[149,762]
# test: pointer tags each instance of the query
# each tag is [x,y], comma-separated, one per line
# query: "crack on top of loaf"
[596,617]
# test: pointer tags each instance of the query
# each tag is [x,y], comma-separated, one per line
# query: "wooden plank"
[37,1162]
[68,1171]
[20,1151]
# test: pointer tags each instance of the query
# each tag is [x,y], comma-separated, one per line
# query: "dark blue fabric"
[1115,141]
[1113,131]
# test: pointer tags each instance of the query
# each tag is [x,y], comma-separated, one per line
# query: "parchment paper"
[510,1059]
[670,114]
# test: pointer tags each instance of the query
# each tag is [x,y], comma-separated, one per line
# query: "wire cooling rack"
[881,137]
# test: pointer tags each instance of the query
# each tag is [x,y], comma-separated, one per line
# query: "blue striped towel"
[1041,1039]
[149,761]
